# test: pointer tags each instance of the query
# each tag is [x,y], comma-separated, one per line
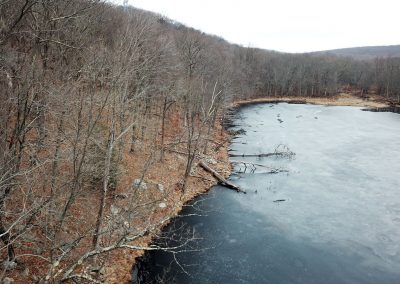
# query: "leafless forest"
[83,84]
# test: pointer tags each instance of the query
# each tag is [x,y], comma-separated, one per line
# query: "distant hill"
[365,52]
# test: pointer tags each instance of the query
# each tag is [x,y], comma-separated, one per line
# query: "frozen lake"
[340,218]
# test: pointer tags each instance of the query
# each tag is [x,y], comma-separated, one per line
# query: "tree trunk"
[133,138]
[6,238]
[107,170]
[164,114]
[220,178]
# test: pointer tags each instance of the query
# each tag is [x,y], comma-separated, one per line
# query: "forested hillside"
[87,87]
[365,52]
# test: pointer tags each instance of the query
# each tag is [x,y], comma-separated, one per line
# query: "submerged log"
[220,178]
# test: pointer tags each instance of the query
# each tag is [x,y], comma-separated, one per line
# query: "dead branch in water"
[253,167]
[280,151]
[248,163]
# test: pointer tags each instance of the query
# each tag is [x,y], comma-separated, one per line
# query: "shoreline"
[224,166]
[353,113]
[120,265]
[342,99]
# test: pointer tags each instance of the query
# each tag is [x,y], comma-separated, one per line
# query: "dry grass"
[343,99]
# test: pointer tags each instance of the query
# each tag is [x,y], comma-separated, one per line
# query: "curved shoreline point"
[338,100]
[298,188]
[226,164]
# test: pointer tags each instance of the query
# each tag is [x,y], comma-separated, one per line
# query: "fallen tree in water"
[262,155]
[280,151]
[220,178]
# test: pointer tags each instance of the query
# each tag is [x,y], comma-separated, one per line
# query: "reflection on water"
[338,223]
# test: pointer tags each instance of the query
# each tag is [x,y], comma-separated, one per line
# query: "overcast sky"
[288,25]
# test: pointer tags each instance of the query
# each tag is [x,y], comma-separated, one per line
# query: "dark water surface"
[339,223]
